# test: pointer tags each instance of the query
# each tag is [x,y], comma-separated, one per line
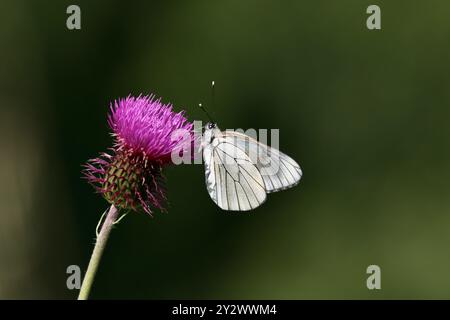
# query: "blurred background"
[365,113]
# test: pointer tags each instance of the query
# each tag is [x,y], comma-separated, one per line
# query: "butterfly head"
[210,125]
[210,131]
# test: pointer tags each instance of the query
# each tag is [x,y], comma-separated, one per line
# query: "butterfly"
[240,171]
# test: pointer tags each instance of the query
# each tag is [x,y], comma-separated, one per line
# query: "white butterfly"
[240,171]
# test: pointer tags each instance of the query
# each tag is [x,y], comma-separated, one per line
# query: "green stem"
[100,245]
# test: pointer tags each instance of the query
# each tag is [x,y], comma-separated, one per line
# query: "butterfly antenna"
[212,103]
[212,94]
[206,112]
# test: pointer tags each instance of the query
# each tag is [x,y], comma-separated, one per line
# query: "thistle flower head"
[130,177]
[144,125]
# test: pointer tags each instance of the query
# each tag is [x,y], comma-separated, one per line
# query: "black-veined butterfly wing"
[278,170]
[232,179]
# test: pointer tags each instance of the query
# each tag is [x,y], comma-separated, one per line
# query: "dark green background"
[365,113]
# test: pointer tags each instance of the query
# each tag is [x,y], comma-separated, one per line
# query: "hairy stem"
[100,245]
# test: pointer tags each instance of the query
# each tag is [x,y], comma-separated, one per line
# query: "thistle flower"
[130,177]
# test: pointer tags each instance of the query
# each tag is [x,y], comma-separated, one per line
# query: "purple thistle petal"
[145,125]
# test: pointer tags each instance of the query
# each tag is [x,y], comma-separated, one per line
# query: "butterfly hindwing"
[279,171]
